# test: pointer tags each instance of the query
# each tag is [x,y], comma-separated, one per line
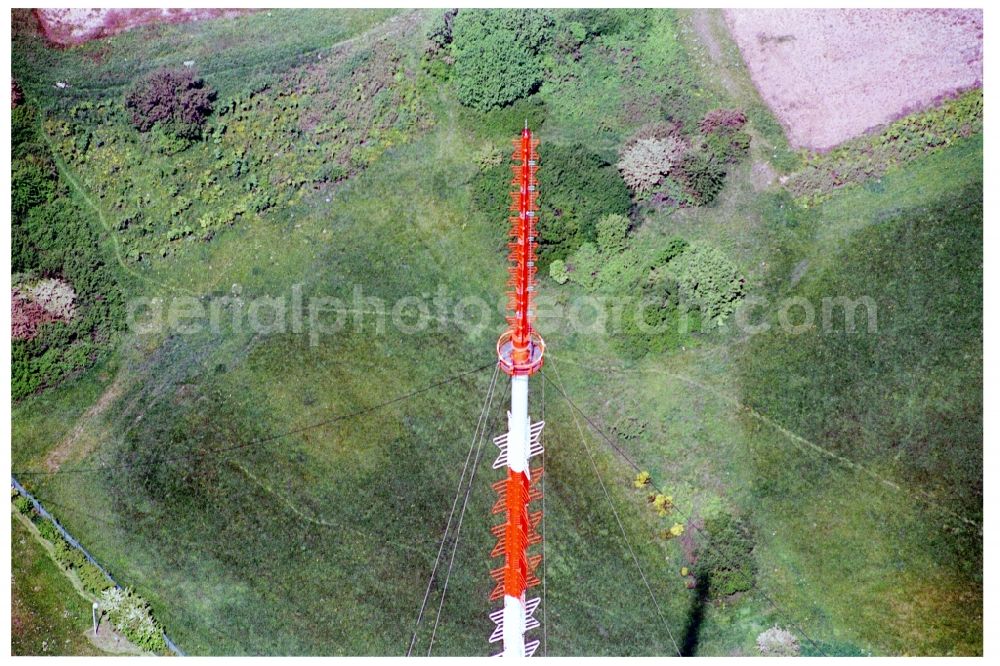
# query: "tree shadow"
[696,616]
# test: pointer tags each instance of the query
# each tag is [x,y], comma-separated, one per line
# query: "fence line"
[76,544]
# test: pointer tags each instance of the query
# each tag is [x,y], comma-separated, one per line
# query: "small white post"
[94,612]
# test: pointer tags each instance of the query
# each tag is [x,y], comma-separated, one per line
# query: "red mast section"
[520,350]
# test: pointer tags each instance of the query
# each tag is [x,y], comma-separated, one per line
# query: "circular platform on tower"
[505,352]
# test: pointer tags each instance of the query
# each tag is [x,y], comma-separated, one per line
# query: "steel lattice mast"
[520,351]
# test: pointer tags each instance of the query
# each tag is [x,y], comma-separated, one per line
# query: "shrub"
[612,231]
[777,642]
[673,248]
[67,556]
[23,505]
[131,615]
[726,120]
[708,280]
[584,266]
[498,55]
[870,157]
[23,134]
[644,164]
[641,479]
[92,578]
[48,530]
[32,182]
[663,504]
[728,147]
[55,296]
[174,99]
[489,155]
[557,271]
[704,174]
[620,272]
[725,561]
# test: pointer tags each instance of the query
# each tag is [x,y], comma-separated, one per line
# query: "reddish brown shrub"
[729,119]
[16,96]
[26,316]
[174,98]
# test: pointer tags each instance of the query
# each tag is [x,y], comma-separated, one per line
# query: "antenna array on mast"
[520,350]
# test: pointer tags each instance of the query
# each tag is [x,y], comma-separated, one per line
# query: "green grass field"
[322,541]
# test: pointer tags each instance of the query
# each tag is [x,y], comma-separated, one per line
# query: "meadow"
[268,495]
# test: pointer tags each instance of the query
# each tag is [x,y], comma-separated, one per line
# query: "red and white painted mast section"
[520,350]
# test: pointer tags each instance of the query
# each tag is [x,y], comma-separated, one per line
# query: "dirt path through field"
[705,22]
[74,445]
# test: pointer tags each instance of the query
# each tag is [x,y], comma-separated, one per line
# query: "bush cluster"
[666,294]
[498,54]
[23,505]
[576,189]
[131,615]
[46,528]
[126,610]
[725,563]
[73,560]
[54,239]
[660,163]
[707,280]
[69,557]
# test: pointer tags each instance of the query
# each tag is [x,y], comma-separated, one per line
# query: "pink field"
[830,75]
[75,26]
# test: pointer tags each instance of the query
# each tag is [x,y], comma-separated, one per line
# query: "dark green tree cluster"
[498,54]
[577,188]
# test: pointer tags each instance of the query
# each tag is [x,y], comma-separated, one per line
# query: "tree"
[708,280]
[612,231]
[33,182]
[498,55]
[175,99]
[558,272]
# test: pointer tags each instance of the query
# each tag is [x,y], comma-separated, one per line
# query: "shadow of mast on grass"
[689,643]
